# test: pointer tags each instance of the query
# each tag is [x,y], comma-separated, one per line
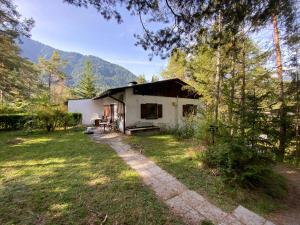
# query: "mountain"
[107,74]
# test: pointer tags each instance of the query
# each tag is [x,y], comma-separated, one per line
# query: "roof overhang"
[113,91]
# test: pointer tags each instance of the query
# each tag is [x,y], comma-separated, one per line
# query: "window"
[151,111]
[189,109]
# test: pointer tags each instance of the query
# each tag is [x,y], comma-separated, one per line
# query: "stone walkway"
[188,204]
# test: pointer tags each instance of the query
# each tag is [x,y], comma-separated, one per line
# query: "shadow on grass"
[70,180]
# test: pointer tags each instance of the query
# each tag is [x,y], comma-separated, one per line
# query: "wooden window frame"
[189,109]
[157,111]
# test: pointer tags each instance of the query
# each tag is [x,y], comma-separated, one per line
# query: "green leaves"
[87,86]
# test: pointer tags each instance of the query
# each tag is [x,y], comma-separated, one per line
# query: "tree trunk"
[282,138]
[49,88]
[218,73]
[232,88]
[243,88]
[297,117]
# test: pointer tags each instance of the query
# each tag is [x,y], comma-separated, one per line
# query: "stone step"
[243,216]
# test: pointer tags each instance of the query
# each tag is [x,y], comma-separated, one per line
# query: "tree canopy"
[86,87]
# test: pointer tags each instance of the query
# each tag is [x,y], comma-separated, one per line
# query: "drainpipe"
[176,113]
[123,103]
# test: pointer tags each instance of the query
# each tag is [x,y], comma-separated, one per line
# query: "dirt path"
[291,215]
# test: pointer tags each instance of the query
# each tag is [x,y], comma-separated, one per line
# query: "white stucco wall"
[172,109]
[86,107]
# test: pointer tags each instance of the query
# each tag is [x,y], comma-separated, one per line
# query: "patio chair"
[95,119]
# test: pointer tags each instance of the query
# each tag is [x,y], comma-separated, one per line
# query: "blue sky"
[82,30]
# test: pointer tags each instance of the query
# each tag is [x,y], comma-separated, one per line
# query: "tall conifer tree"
[86,87]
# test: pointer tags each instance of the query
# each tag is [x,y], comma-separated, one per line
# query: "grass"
[181,159]
[65,178]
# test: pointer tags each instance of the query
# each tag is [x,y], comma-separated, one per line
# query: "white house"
[162,104]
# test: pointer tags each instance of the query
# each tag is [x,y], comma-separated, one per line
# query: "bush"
[187,130]
[13,121]
[48,120]
[245,165]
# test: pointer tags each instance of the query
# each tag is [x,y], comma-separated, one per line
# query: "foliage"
[220,30]
[245,165]
[10,109]
[52,71]
[154,78]
[187,130]
[48,120]
[183,159]
[51,118]
[176,66]
[141,79]
[13,121]
[86,87]
[19,77]
[192,17]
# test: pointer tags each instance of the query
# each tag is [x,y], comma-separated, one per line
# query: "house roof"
[169,88]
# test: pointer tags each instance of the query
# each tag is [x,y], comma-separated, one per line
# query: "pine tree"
[18,76]
[52,70]
[86,87]
[154,78]
[176,66]
[141,79]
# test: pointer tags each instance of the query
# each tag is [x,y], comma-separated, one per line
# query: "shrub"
[187,130]
[13,121]
[245,165]
[202,130]
[48,120]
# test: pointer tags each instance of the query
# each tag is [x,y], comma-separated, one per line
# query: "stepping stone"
[269,223]
[211,212]
[230,220]
[248,217]
[203,207]
[178,206]
[193,198]
[155,170]
[193,217]
[181,208]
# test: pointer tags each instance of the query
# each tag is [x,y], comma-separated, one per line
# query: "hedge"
[21,121]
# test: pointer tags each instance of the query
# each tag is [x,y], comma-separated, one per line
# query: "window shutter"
[159,111]
[195,109]
[143,111]
[184,110]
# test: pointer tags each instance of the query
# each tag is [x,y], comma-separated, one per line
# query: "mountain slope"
[107,74]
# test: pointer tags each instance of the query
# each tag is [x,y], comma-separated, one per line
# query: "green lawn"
[181,158]
[65,178]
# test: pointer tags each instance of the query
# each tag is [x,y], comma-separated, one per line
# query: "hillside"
[107,74]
